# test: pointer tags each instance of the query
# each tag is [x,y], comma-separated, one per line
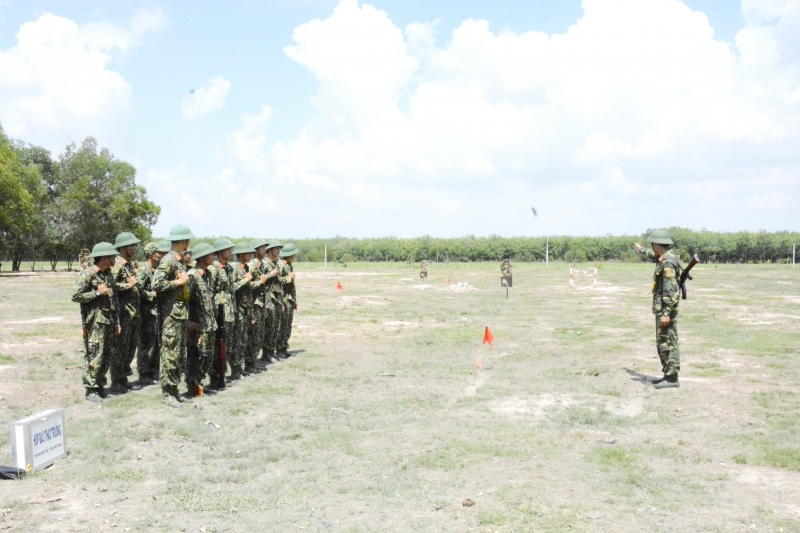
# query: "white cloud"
[207,98]
[55,83]
[635,117]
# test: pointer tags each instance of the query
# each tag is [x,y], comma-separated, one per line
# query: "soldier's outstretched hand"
[291,275]
[637,247]
[182,278]
[665,322]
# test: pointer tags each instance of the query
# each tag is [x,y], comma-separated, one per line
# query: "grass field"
[381,422]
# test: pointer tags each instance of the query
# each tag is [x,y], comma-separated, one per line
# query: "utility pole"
[547,253]
[326,256]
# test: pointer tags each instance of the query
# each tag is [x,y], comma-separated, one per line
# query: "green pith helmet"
[103,249]
[125,239]
[201,250]
[164,246]
[274,243]
[255,243]
[223,243]
[180,233]
[150,248]
[289,249]
[243,248]
[659,236]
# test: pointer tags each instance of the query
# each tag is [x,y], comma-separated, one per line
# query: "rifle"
[222,365]
[686,276]
[85,331]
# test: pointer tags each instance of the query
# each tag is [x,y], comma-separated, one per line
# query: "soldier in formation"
[288,253]
[666,297]
[94,291]
[189,311]
[127,289]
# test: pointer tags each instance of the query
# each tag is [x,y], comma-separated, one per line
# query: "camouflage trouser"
[125,347]
[286,327]
[214,366]
[236,344]
[147,356]
[97,359]
[199,353]
[272,325]
[667,344]
[173,353]
[256,338]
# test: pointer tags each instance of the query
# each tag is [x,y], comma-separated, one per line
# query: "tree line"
[50,208]
[713,247]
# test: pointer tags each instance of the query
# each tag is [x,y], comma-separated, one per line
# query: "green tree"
[16,202]
[99,197]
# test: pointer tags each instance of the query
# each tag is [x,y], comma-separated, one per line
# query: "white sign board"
[39,440]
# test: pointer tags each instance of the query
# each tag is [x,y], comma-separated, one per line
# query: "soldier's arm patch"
[669,272]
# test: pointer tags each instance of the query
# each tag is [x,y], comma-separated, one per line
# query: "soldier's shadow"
[295,352]
[641,378]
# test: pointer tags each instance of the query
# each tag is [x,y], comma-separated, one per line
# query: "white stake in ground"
[595,276]
[572,275]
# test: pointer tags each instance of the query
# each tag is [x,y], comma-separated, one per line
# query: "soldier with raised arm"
[100,317]
[666,297]
[170,281]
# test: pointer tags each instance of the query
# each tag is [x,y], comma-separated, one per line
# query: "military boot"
[656,381]
[93,396]
[128,385]
[170,401]
[669,382]
[118,388]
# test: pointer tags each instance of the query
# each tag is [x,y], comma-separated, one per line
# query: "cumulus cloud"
[206,98]
[635,117]
[55,82]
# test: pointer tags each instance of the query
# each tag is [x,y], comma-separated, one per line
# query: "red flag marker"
[448,279]
[339,287]
[488,337]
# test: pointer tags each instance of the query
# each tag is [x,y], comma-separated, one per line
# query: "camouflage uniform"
[174,304]
[666,297]
[201,313]
[259,292]
[129,317]
[147,360]
[100,315]
[274,309]
[243,303]
[290,298]
[221,285]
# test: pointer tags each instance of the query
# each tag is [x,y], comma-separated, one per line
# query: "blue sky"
[410,118]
